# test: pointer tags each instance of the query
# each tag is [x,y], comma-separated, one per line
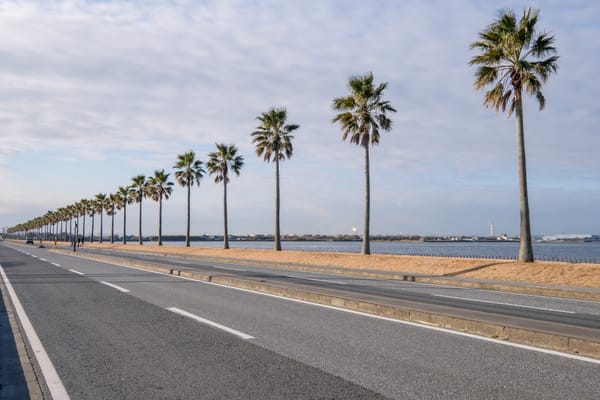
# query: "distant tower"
[492,229]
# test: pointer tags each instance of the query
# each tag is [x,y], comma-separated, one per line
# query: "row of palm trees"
[513,58]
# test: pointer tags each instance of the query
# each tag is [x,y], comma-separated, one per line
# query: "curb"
[531,337]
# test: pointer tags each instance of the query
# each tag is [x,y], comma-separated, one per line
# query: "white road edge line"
[55,385]
[397,321]
[76,272]
[56,265]
[503,304]
[210,323]
[119,288]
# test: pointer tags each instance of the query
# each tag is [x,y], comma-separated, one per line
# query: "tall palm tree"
[100,207]
[85,208]
[220,163]
[111,202]
[92,212]
[159,188]
[362,115]
[515,58]
[273,141]
[124,198]
[189,172]
[138,192]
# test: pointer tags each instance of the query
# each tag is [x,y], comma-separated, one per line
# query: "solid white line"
[76,272]
[504,304]
[55,385]
[56,265]
[397,321]
[317,280]
[231,269]
[209,322]
[119,288]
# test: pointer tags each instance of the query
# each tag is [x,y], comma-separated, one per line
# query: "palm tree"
[362,115]
[124,198]
[112,201]
[220,163]
[273,141]
[100,206]
[92,213]
[189,172]
[160,188]
[138,192]
[85,207]
[514,57]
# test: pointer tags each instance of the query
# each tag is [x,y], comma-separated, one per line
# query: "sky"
[93,93]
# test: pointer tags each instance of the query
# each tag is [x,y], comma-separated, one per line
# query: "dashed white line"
[33,255]
[180,262]
[56,265]
[504,304]
[119,288]
[76,272]
[210,323]
[43,259]
[55,385]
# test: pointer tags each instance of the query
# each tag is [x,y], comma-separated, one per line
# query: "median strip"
[205,321]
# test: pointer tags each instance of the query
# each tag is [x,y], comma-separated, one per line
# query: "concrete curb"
[531,337]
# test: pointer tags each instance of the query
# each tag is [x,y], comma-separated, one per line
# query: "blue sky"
[94,93]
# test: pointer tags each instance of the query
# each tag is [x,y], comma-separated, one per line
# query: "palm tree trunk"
[83,230]
[187,230]
[160,221]
[277,206]
[92,233]
[140,223]
[125,222]
[101,223]
[225,233]
[526,247]
[366,245]
[112,224]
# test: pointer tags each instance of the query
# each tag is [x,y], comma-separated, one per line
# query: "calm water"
[574,252]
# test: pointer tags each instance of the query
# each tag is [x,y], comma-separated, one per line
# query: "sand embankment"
[542,272]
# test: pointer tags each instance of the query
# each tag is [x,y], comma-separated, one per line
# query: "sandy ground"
[551,273]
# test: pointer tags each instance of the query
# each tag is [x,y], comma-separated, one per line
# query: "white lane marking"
[33,255]
[180,262]
[43,259]
[397,321]
[231,269]
[503,304]
[53,382]
[56,265]
[119,288]
[209,322]
[317,280]
[76,272]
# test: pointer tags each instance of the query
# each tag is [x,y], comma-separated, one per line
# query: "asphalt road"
[107,343]
[537,308]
